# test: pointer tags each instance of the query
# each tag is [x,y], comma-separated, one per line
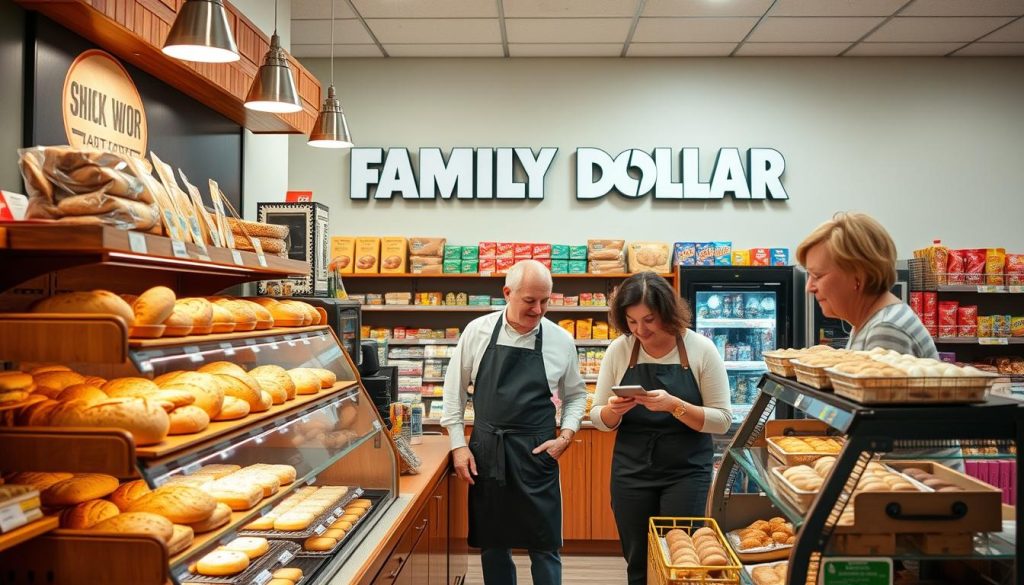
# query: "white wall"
[931,147]
[265,156]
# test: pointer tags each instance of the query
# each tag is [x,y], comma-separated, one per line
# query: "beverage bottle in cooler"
[739,310]
[753,309]
[755,347]
[727,307]
[767,340]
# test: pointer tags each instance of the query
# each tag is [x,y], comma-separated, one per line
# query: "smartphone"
[628,391]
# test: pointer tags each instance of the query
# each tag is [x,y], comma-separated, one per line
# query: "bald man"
[517,361]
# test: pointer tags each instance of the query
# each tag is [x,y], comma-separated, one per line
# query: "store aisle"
[576,570]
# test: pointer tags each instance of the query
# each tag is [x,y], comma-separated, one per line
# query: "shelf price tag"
[993,341]
[12,517]
[320,529]
[137,242]
[285,557]
[236,256]
[259,251]
[178,249]
[191,468]
[991,288]
[227,348]
[263,577]
[1015,288]
[193,353]
[330,519]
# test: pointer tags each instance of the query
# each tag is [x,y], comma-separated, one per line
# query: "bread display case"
[293,480]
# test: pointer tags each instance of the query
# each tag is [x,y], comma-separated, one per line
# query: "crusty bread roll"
[80,488]
[68,414]
[41,480]
[244,317]
[95,381]
[222,563]
[97,301]
[274,379]
[58,380]
[319,543]
[42,369]
[233,370]
[293,574]
[181,539]
[236,388]
[128,492]
[221,516]
[186,420]
[264,320]
[87,514]
[179,323]
[348,415]
[138,523]
[253,546]
[15,381]
[286,313]
[264,301]
[306,382]
[223,320]
[327,377]
[179,504]
[266,401]
[201,312]
[236,495]
[154,306]
[130,387]
[84,392]
[171,398]
[232,409]
[206,388]
[37,414]
[144,419]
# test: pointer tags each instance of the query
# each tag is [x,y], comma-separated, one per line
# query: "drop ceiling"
[658,28]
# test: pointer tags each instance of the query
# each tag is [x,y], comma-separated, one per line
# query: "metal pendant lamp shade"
[201,33]
[331,128]
[273,89]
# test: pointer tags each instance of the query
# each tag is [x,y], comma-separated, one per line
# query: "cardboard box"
[705,254]
[309,232]
[559,266]
[760,257]
[343,252]
[522,250]
[487,265]
[488,249]
[470,252]
[505,250]
[427,246]
[723,253]
[780,256]
[684,254]
[741,257]
[502,264]
[569,325]
[559,252]
[470,266]
[394,255]
[584,327]
[452,267]
[541,251]
[577,252]
[367,255]
[600,330]
[577,267]
[452,252]
[545,261]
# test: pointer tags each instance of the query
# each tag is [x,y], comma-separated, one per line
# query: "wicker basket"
[660,571]
[779,366]
[813,376]
[801,499]
[790,459]
[901,390]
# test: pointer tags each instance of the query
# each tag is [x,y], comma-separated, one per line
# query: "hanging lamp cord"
[332,43]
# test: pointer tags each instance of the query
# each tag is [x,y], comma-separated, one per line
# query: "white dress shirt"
[560,364]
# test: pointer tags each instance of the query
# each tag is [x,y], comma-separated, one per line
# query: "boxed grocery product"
[367,255]
[985,328]
[451,333]
[600,330]
[478,300]
[449,299]
[426,246]
[488,265]
[1017,326]
[343,251]
[780,256]
[600,300]
[398,298]
[502,264]
[571,300]
[470,253]
[586,299]
[684,253]
[498,302]
[546,262]
[947,318]
[723,253]
[577,252]
[426,265]
[967,321]
[652,256]
[393,253]
[584,328]
[556,300]
[470,266]
[995,262]
[760,257]
[576,267]
[741,257]
[705,254]
[1000,325]
[452,252]
[541,251]
[559,252]
[522,250]
[505,250]
[605,249]
[569,325]
[1015,269]
[364,331]
[560,266]
[452,266]
[606,266]
[488,249]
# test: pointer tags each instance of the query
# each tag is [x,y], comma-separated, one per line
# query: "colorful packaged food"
[559,252]
[741,257]
[985,326]
[488,249]
[586,299]
[1000,325]
[995,261]
[938,257]
[521,250]
[452,252]
[723,253]
[780,256]
[488,264]
[955,267]
[1017,326]
[559,266]
[974,266]
[967,321]
[705,254]
[541,250]
[930,311]
[571,300]
[947,318]
[502,264]
[685,254]
[577,266]
[577,252]
[917,303]
[760,257]
[569,325]
[504,250]
[1014,269]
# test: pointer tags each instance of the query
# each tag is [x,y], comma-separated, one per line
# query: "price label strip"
[179,250]
[137,242]
[12,517]
[236,256]
[993,341]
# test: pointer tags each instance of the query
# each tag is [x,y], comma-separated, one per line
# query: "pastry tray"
[309,566]
[906,390]
[355,526]
[750,569]
[813,376]
[322,521]
[804,458]
[779,366]
[258,572]
[776,552]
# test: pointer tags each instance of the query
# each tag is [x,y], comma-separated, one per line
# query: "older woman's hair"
[657,295]
[858,244]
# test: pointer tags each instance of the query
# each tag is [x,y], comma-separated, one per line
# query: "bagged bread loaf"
[427,246]
[649,256]
[256,229]
[605,249]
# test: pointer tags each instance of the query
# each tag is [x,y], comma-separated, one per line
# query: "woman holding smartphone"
[663,451]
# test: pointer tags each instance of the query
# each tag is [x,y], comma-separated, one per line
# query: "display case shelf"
[747,366]
[284,333]
[109,451]
[422,341]
[703,323]
[980,340]
[669,276]
[28,531]
[432,308]
[981,288]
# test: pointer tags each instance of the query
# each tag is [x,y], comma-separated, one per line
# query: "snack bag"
[995,260]
[938,257]
[955,266]
[967,321]
[930,312]
[974,266]
[947,318]
[1014,269]
[1017,326]
[705,254]
[917,303]
[741,257]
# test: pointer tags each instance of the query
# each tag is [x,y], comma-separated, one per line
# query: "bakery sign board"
[519,173]
[101,106]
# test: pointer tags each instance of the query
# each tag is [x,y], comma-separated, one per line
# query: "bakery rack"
[869,430]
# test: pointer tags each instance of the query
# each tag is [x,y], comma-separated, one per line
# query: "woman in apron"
[662,460]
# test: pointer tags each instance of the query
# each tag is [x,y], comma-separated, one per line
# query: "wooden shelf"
[593,342]
[28,531]
[670,275]
[195,339]
[31,250]
[577,309]
[433,308]
[35,337]
[92,450]
[83,557]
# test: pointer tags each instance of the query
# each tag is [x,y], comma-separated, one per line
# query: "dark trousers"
[633,506]
[498,568]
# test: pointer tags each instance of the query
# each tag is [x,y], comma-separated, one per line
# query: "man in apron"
[517,361]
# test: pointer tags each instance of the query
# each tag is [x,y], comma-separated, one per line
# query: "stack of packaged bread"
[607,256]
[157,312]
[175,403]
[701,549]
[273,238]
[426,256]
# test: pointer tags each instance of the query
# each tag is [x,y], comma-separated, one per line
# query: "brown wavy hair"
[657,295]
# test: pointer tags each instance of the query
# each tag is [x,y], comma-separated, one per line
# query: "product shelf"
[422,341]
[736,323]
[584,309]
[109,451]
[981,288]
[980,340]
[28,531]
[593,342]
[747,366]
[432,308]
[669,275]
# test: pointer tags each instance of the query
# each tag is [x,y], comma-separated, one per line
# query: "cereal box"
[723,253]
[584,328]
[577,266]
[760,257]
[1017,326]
[685,254]
[780,256]
[521,250]
[985,326]
[488,249]
[541,251]
[705,254]
[569,325]
[586,299]
[505,250]
[559,266]
[741,257]
[487,265]
[559,252]
[1000,325]
[393,255]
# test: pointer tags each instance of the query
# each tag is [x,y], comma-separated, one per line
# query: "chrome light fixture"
[273,88]
[331,128]
[201,33]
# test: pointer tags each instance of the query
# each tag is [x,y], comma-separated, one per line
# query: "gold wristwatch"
[680,411]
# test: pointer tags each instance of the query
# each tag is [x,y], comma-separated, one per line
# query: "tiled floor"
[576,570]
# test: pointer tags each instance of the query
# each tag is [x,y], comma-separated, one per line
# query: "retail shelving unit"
[869,430]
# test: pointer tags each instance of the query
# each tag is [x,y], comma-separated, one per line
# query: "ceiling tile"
[935,29]
[965,8]
[565,50]
[568,8]
[991,50]
[567,30]
[312,32]
[705,7]
[1011,33]
[680,49]
[836,7]
[320,9]
[791,49]
[339,51]
[812,29]
[445,50]
[423,9]
[902,49]
[692,30]
[436,30]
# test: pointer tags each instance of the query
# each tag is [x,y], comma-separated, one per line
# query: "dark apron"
[516,501]
[653,449]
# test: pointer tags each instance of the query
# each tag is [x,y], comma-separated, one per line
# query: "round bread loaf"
[266,401]
[130,387]
[179,323]
[222,563]
[179,504]
[287,314]
[236,388]
[243,316]
[232,409]
[85,392]
[138,523]
[306,382]
[200,309]
[233,370]
[264,320]
[87,514]
[97,301]
[310,316]
[252,546]
[153,306]
[181,539]
[58,380]
[171,398]
[14,381]
[274,379]
[128,492]
[327,377]
[221,516]
[80,488]
[186,420]
[41,480]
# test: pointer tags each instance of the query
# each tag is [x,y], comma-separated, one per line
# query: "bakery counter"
[412,541]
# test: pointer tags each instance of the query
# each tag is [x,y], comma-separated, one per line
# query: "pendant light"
[201,33]
[331,128]
[273,88]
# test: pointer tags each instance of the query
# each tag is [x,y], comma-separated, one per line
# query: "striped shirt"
[896,327]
